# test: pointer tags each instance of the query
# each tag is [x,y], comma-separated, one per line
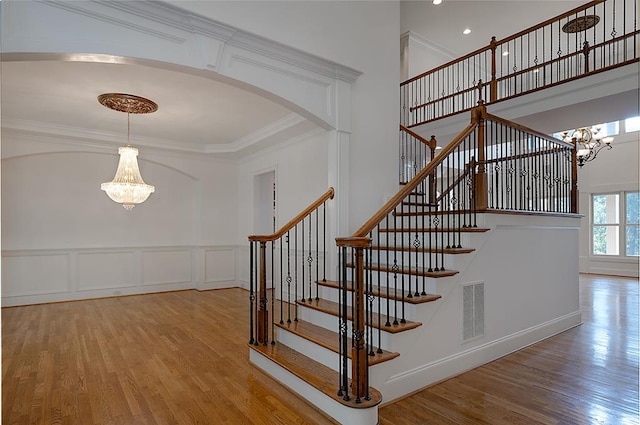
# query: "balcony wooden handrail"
[413,183]
[550,21]
[297,219]
[489,117]
[505,40]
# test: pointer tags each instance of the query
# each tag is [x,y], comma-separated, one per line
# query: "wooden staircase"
[342,340]
[305,355]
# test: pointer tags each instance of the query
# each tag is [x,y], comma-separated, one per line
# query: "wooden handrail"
[550,21]
[505,40]
[415,135]
[524,155]
[446,65]
[413,183]
[297,219]
[487,116]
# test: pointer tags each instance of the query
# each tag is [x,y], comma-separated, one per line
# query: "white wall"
[360,34]
[612,171]
[300,167]
[63,238]
[530,274]
[197,211]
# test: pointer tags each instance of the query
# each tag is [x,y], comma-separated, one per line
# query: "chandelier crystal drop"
[127,187]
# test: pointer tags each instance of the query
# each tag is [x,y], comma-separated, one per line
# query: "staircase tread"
[414,271]
[319,376]
[439,229]
[419,299]
[422,249]
[330,340]
[331,307]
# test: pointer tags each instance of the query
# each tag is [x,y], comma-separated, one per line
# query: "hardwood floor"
[181,358]
[172,358]
[586,375]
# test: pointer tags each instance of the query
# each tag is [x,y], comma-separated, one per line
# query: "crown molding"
[80,9]
[424,42]
[257,136]
[173,17]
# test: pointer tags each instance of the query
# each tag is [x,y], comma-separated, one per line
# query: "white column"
[338,173]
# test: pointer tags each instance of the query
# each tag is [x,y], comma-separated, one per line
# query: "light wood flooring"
[182,358]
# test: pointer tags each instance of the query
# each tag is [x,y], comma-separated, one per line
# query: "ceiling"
[195,114]
[443,24]
[202,115]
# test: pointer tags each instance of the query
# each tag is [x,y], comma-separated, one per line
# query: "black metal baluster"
[281,285]
[402,268]
[379,291]
[324,241]
[317,252]
[252,295]
[387,248]
[295,267]
[310,260]
[395,272]
[302,260]
[273,269]
[288,278]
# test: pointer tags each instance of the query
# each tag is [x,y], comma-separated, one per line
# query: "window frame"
[621,224]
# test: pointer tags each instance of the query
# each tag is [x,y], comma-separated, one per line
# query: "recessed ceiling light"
[466,31]
[437,1]
[505,53]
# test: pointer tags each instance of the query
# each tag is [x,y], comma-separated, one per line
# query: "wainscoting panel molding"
[106,270]
[35,274]
[42,276]
[219,268]
[162,267]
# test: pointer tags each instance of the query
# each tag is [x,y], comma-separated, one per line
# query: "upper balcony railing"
[592,38]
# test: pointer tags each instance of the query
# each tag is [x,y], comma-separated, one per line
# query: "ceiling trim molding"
[176,18]
[257,136]
[424,42]
[75,8]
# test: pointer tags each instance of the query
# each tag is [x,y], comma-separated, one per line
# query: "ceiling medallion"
[127,103]
[581,23]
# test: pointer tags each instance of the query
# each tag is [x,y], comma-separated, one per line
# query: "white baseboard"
[423,376]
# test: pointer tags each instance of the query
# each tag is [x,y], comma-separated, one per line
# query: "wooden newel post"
[574,178]
[481,192]
[585,52]
[433,144]
[359,363]
[263,313]
[493,84]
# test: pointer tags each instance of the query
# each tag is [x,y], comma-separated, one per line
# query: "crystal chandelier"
[127,187]
[587,142]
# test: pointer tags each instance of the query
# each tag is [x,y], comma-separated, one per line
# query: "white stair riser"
[327,357]
[392,280]
[382,339]
[332,294]
[433,240]
[341,413]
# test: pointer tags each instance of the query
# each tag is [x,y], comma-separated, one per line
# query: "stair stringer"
[528,298]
